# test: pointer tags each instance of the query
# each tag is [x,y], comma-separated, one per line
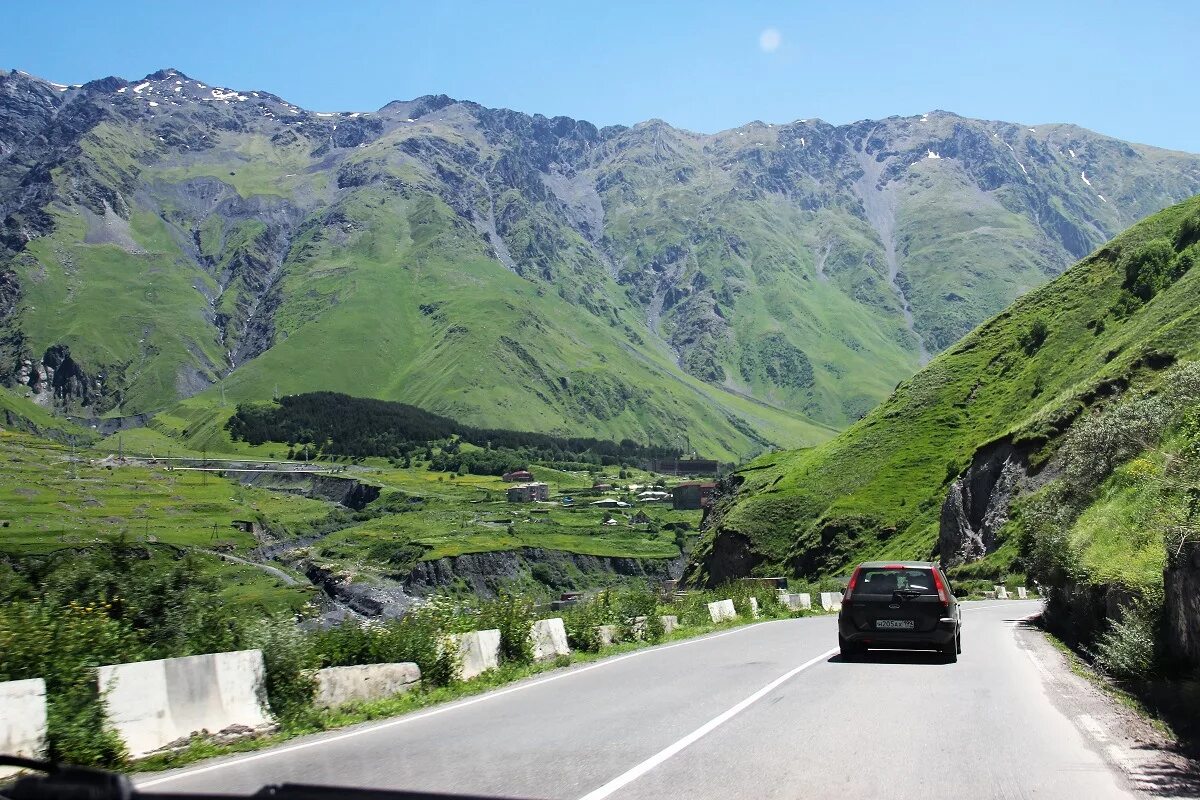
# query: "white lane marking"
[653,761]
[439,709]
[996,605]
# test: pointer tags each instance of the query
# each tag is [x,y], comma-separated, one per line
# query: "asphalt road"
[763,711]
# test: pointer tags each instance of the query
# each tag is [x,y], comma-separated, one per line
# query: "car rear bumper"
[940,636]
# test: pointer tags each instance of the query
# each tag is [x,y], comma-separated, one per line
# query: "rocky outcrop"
[58,380]
[348,492]
[488,573]
[1181,587]
[978,502]
[732,557]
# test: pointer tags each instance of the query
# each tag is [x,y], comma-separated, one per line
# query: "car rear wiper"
[64,782]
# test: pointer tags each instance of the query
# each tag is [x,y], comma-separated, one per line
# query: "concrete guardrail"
[669,622]
[796,602]
[1022,593]
[478,651]
[153,704]
[754,607]
[831,601]
[549,639]
[340,685]
[22,720]
[722,610]
[1001,592]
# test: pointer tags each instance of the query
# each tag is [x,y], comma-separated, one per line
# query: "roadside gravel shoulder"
[1149,758]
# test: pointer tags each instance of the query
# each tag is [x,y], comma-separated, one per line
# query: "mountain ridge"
[663,276]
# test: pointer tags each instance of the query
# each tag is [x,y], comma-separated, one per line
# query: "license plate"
[895,624]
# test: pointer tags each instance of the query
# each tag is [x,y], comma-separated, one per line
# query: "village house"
[694,494]
[528,493]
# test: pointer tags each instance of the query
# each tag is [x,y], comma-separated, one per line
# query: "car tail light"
[850,586]
[943,595]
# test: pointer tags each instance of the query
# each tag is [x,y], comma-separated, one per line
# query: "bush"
[1128,650]
[1146,268]
[290,664]
[63,646]
[1032,340]
[581,622]
[513,616]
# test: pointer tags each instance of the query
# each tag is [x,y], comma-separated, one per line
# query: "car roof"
[905,564]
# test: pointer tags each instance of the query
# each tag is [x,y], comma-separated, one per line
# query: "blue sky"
[1125,69]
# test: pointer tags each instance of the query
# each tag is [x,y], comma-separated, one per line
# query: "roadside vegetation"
[63,617]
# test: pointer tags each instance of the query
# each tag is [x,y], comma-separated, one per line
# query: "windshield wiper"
[64,782]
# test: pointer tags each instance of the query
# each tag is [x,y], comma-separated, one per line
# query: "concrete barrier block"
[153,704]
[754,607]
[1022,594]
[797,602]
[1001,592]
[831,601]
[722,610]
[478,651]
[669,622]
[340,685]
[22,720]
[837,600]
[549,639]
[989,595]
[609,634]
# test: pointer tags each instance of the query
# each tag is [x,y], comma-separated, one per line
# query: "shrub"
[1128,650]
[1035,337]
[290,664]
[1097,443]
[513,616]
[63,645]
[581,622]
[1146,268]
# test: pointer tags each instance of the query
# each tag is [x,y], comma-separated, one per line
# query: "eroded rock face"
[488,573]
[978,502]
[1181,585]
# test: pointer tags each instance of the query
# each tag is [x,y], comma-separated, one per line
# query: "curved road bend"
[762,711]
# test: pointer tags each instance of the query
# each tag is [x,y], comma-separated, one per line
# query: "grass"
[51,502]
[876,490]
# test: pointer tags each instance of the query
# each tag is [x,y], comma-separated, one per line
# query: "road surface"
[763,711]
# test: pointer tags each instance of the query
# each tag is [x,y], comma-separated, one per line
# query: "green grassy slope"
[876,490]
[19,413]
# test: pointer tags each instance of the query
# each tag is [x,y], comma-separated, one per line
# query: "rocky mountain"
[168,240]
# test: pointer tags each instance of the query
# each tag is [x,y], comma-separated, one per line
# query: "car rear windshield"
[886,581]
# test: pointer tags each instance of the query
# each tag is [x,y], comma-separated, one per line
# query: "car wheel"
[850,650]
[950,651]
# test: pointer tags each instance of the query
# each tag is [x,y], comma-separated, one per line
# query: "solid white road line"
[653,761]
[439,709]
